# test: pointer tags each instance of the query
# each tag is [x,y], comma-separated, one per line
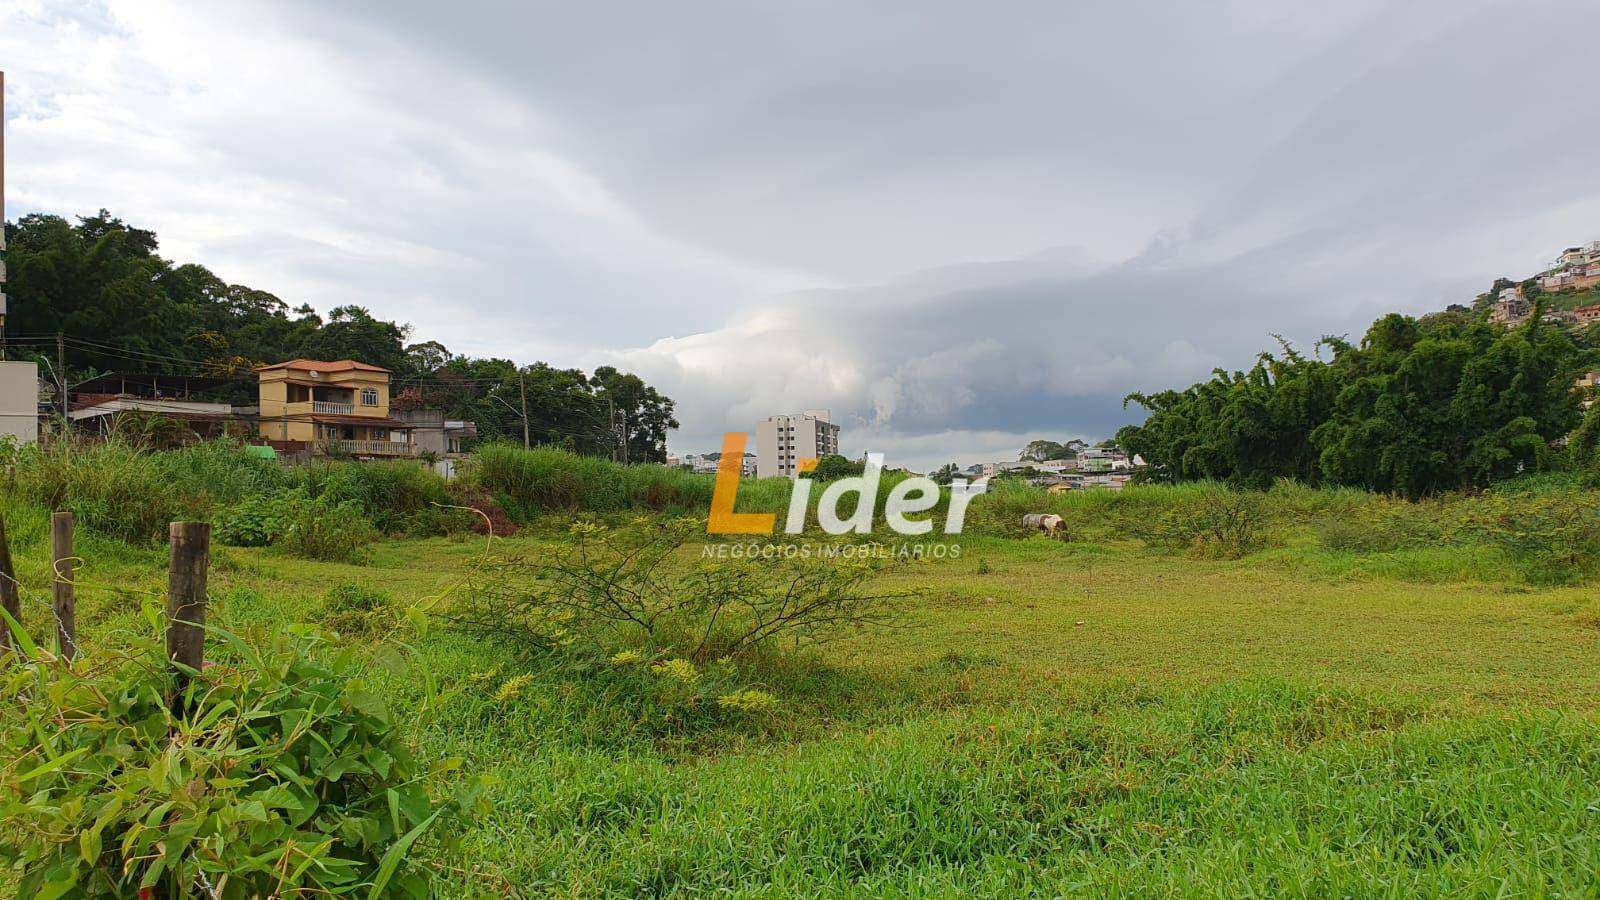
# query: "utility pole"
[61,377]
[622,438]
[522,385]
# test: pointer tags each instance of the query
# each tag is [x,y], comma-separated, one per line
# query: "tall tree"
[120,306]
[1417,407]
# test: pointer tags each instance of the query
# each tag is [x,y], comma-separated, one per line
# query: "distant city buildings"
[1091,467]
[783,441]
[710,463]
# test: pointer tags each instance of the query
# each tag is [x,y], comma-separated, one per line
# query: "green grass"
[1375,699]
[1080,718]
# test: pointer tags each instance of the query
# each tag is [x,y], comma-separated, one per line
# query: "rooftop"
[317,365]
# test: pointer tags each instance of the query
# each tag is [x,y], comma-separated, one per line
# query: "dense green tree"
[121,307]
[644,415]
[832,466]
[1417,407]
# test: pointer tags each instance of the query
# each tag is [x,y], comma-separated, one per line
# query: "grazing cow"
[1049,524]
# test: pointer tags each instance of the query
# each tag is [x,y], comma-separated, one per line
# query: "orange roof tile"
[316,365]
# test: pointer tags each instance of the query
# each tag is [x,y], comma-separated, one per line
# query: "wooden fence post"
[186,595]
[10,599]
[64,597]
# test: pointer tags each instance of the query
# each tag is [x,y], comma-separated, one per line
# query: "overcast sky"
[958,225]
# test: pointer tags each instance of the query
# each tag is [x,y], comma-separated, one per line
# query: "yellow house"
[340,407]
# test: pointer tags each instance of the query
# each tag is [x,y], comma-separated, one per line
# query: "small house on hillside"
[331,407]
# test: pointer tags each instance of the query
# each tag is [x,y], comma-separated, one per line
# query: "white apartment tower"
[782,441]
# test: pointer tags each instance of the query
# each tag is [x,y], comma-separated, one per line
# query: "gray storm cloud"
[767,207]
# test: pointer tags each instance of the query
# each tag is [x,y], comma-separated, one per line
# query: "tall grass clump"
[113,487]
[398,497]
[540,480]
[127,491]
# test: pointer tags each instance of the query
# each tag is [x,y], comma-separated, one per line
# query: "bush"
[608,586]
[283,777]
[309,527]
[113,488]
[252,523]
[1386,525]
[489,516]
[323,528]
[1213,521]
[398,497]
[354,609]
[1553,537]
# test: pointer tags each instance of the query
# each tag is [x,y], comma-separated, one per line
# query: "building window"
[369,396]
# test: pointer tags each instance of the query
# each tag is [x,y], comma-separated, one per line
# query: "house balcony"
[366,448]
[333,408]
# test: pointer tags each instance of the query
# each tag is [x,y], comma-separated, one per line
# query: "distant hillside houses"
[1577,269]
[1510,308]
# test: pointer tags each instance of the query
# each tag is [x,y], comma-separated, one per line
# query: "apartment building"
[783,441]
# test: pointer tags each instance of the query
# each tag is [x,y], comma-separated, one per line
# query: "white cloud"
[769,207]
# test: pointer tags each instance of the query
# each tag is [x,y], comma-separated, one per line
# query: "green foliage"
[253,522]
[355,609]
[321,527]
[538,480]
[1041,450]
[1419,407]
[1245,428]
[832,466]
[103,284]
[1214,521]
[132,493]
[283,776]
[1384,525]
[1553,537]
[1584,445]
[625,585]
[398,497]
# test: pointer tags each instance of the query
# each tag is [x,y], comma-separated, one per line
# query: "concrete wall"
[19,401]
[429,433]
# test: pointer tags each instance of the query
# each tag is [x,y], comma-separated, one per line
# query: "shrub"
[252,523]
[1385,525]
[398,497]
[282,777]
[322,528]
[309,527]
[488,516]
[112,487]
[1553,537]
[355,609]
[1214,521]
[623,585]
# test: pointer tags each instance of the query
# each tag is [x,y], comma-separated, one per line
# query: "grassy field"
[1048,718]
